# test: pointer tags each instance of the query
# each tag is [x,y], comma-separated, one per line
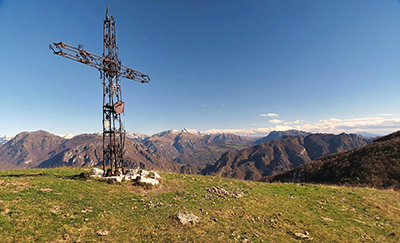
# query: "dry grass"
[57,205]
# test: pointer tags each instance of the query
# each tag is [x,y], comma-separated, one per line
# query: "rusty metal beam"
[111,70]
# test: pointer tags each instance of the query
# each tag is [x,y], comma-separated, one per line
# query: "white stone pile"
[139,175]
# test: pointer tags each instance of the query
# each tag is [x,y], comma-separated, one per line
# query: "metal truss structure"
[111,71]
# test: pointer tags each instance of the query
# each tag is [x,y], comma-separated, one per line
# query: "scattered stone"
[358,221]
[96,171]
[102,233]
[245,240]
[46,189]
[143,176]
[144,173]
[96,176]
[304,236]
[322,202]
[148,181]
[220,191]
[367,237]
[327,219]
[114,179]
[187,218]
[155,175]
[55,209]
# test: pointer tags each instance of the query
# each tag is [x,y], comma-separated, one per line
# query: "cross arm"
[103,64]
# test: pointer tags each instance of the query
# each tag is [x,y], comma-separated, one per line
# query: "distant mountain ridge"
[374,165]
[272,157]
[276,135]
[194,148]
[43,149]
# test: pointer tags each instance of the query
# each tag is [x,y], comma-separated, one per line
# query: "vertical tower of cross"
[111,71]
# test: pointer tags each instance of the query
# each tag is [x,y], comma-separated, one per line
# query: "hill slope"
[280,155]
[29,149]
[375,165]
[61,205]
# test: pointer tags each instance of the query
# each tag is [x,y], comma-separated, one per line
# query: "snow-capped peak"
[66,135]
[5,139]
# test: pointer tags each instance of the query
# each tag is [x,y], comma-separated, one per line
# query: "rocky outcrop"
[136,175]
[187,218]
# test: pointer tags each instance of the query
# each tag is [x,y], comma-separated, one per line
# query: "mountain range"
[276,156]
[374,165]
[43,149]
[195,149]
[182,151]
[276,135]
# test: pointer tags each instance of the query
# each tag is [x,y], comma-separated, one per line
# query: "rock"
[113,179]
[96,176]
[304,235]
[102,233]
[155,175]
[144,173]
[131,172]
[327,219]
[221,192]
[96,171]
[148,180]
[132,177]
[187,218]
[46,189]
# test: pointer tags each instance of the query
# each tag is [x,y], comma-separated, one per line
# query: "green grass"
[61,205]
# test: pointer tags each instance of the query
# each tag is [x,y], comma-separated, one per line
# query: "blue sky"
[246,67]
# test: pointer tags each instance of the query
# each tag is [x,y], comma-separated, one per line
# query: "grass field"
[62,205]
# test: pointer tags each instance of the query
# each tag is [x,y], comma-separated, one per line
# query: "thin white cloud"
[270,115]
[253,132]
[374,125]
[363,124]
[276,121]
[293,122]
[386,114]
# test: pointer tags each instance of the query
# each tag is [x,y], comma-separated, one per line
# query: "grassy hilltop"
[61,205]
